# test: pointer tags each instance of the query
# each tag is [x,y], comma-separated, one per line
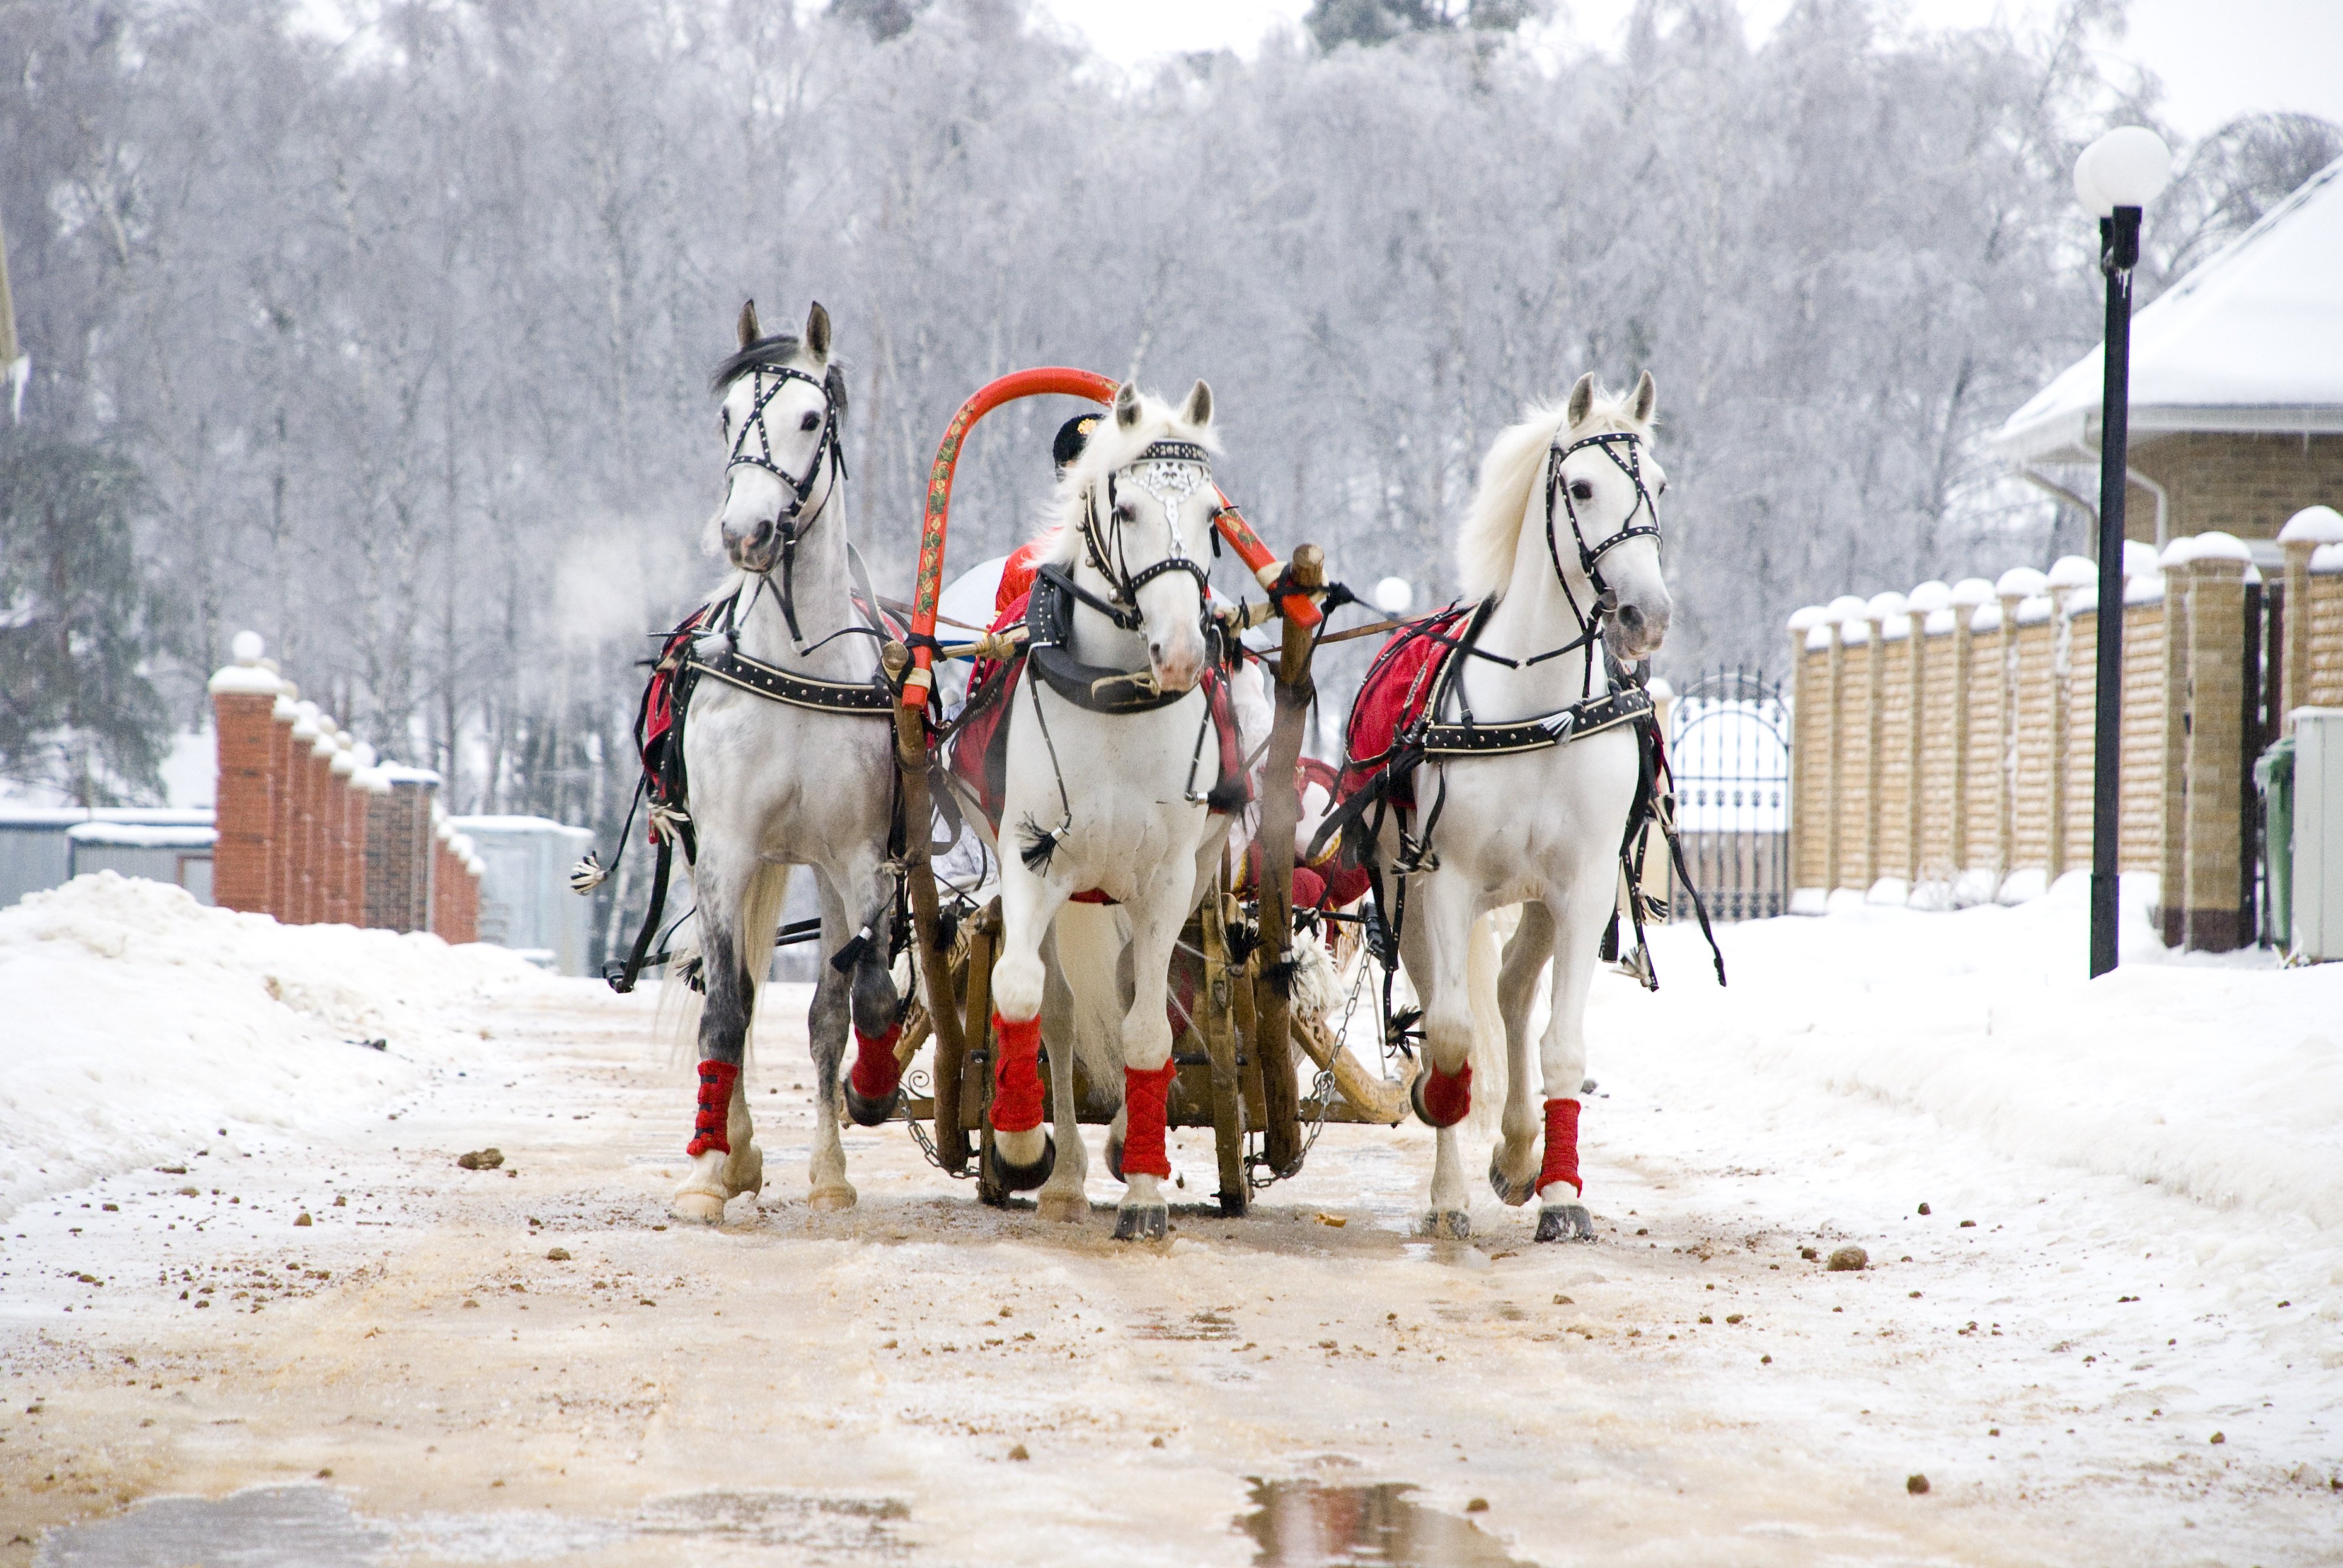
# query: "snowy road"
[926,1381]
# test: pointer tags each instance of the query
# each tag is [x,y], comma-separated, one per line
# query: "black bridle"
[791,524]
[1590,619]
[1170,471]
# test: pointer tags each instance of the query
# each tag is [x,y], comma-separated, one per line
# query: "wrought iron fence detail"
[1729,748]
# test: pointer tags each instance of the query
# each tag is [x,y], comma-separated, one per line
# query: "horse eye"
[1664,488]
[1580,491]
[811,421]
[1125,512]
[724,424]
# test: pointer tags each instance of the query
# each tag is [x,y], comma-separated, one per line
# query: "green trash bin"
[2273,781]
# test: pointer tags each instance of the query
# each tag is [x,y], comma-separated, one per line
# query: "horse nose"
[1631,620]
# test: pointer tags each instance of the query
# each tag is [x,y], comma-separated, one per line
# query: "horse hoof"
[872,1113]
[831,1199]
[1114,1158]
[701,1208]
[1136,1222]
[1025,1178]
[1449,1225]
[1510,1192]
[1063,1208]
[1566,1222]
[744,1171]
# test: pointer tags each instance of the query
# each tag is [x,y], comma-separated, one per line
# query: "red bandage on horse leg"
[1449,1099]
[1017,1074]
[1143,1095]
[1561,1146]
[875,1071]
[716,1080]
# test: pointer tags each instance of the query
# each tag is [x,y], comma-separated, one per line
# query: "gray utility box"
[2318,833]
[525,897]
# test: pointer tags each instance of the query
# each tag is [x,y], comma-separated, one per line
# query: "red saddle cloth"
[1396,693]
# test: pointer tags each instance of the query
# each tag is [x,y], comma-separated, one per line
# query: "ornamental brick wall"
[2236,484]
[2314,673]
[1945,756]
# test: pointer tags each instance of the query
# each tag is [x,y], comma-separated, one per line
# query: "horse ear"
[748,322]
[1582,400]
[1646,398]
[1126,404]
[1199,408]
[818,331]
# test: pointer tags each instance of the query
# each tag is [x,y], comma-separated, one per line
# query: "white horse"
[1562,546]
[1111,795]
[789,755]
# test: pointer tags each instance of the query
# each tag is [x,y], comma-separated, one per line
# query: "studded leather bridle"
[1170,472]
[791,525]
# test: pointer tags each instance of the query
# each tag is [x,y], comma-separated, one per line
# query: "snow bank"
[135,1023]
[2219,1080]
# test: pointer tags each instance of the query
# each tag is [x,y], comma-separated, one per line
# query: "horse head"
[1141,505]
[1603,491]
[784,404]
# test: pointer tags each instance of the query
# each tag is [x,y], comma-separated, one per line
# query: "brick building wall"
[2245,484]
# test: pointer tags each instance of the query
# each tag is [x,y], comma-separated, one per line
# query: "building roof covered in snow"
[2249,342]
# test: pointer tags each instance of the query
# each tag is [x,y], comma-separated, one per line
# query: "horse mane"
[1512,469]
[1111,445]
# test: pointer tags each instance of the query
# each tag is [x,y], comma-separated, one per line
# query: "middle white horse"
[1113,768]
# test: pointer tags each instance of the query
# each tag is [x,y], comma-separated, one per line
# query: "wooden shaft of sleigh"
[1280,809]
[944,1013]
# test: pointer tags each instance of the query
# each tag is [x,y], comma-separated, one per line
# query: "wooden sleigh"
[1243,1056]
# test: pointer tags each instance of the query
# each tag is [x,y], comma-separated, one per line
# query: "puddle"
[310,1526]
[1304,1524]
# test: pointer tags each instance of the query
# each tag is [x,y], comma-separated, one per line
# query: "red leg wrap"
[1017,1074]
[875,1071]
[716,1080]
[1143,1095]
[1449,1099]
[1561,1146]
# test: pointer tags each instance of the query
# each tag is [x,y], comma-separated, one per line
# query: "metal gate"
[1729,749]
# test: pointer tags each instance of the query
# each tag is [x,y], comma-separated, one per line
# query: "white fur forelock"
[1110,447]
[1510,476]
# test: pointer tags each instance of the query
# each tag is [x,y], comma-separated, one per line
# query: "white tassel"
[588,875]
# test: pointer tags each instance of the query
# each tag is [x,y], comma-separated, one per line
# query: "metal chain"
[912,1083]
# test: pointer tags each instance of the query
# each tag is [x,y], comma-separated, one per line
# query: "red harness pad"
[1396,693]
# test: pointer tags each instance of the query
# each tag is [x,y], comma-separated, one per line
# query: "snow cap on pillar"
[1929,597]
[2139,559]
[1845,608]
[345,761]
[2073,572]
[2019,582]
[1809,617]
[248,677]
[2219,547]
[305,722]
[2313,525]
[1970,592]
[1886,606]
[2178,553]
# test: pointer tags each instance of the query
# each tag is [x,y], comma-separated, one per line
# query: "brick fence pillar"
[2013,588]
[325,825]
[243,695]
[285,714]
[2304,534]
[1883,669]
[2073,580]
[300,821]
[349,843]
[2215,916]
[1809,744]
[1968,596]
[2178,572]
[1919,719]
[408,892]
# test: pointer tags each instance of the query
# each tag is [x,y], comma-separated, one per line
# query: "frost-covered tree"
[78,717]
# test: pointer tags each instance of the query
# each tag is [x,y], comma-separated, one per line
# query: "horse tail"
[1089,940]
[681,999]
[1485,959]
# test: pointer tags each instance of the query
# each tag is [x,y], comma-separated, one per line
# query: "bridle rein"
[791,525]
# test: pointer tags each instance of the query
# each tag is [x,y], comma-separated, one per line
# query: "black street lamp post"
[2116,176]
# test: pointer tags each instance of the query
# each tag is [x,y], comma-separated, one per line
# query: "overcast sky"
[2218,58]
